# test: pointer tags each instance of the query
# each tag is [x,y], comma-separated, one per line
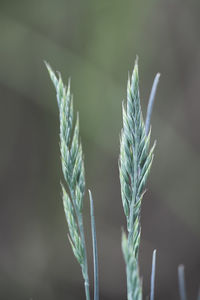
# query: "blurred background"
[95,43]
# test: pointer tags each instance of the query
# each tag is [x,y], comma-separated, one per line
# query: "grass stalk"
[94,245]
[73,171]
[135,162]
[153,273]
[181,279]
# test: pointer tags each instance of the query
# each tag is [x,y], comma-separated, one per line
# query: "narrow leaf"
[94,244]
[181,278]
[153,272]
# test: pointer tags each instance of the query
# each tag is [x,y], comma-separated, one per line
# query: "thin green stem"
[82,234]
[153,272]
[129,289]
[95,254]
[85,265]
[181,278]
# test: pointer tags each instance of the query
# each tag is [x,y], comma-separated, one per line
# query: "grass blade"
[153,272]
[95,254]
[181,279]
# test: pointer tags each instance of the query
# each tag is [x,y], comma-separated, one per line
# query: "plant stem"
[85,265]
[153,271]
[95,254]
[181,279]
[82,235]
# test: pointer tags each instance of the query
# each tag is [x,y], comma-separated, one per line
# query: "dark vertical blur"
[96,42]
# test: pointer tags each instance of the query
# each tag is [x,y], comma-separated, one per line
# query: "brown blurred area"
[95,43]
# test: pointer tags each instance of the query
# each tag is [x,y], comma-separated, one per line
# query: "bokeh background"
[96,42]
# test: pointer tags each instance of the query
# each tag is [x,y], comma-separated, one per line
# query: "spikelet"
[134,165]
[73,171]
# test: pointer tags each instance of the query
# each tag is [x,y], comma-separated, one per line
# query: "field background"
[95,43]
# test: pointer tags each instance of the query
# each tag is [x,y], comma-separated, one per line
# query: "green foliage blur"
[95,43]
